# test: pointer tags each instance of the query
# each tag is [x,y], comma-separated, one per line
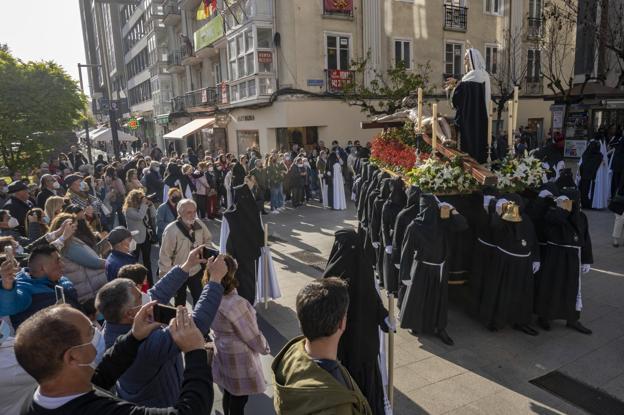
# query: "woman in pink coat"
[238,344]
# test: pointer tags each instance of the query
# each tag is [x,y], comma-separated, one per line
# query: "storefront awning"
[107,136]
[189,128]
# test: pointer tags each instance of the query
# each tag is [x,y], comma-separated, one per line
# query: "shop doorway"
[306,137]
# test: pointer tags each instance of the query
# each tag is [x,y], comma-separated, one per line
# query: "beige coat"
[175,247]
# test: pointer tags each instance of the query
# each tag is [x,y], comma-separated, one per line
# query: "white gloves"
[585,268]
[561,199]
[499,205]
[375,245]
[486,202]
[391,327]
[397,266]
[545,193]
[389,249]
[536,266]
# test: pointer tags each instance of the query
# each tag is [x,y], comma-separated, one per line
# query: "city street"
[484,373]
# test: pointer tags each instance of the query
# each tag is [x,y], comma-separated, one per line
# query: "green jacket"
[302,387]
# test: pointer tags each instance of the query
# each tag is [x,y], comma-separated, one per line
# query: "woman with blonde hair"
[238,345]
[53,206]
[132,181]
[138,211]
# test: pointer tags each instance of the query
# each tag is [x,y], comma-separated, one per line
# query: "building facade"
[270,73]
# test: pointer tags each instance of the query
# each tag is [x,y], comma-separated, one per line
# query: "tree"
[39,103]
[511,71]
[385,92]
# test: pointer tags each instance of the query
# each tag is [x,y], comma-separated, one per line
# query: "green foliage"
[385,92]
[39,104]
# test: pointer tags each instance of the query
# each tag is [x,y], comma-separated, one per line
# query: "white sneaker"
[274,212]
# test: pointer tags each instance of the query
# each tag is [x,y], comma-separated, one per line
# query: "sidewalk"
[484,373]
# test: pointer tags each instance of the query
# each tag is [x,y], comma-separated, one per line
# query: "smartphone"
[8,253]
[209,252]
[60,294]
[164,313]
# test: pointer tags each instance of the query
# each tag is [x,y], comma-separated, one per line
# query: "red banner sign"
[338,6]
[265,57]
[338,79]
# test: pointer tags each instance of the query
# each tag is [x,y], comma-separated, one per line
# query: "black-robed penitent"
[358,349]
[391,209]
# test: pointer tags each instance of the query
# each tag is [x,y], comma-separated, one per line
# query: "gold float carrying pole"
[265,266]
[510,112]
[391,351]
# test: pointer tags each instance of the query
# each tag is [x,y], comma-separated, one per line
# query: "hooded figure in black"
[404,218]
[424,307]
[508,277]
[244,239]
[376,234]
[374,192]
[358,349]
[391,209]
[362,197]
[551,155]
[567,255]
[590,162]
[471,98]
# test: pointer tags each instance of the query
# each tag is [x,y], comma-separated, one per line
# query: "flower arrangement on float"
[442,177]
[396,149]
[518,174]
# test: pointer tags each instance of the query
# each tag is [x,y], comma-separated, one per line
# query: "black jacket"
[43,196]
[196,396]
[18,210]
[153,183]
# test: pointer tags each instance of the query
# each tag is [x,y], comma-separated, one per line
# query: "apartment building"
[269,73]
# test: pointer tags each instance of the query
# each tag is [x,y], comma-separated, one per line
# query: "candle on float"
[515,111]
[420,109]
[489,126]
[434,128]
[510,111]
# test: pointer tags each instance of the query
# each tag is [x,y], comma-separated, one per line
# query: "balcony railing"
[534,86]
[455,18]
[534,28]
[171,13]
[204,97]
[337,12]
[337,80]
[174,58]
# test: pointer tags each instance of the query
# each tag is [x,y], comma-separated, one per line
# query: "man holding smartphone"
[155,377]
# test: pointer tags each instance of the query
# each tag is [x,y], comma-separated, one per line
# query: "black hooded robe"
[507,296]
[591,159]
[404,218]
[424,307]
[391,209]
[472,119]
[244,239]
[568,246]
[483,253]
[358,349]
[376,234]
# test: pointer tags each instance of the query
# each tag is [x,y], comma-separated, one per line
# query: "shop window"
[246,139]
[265,38]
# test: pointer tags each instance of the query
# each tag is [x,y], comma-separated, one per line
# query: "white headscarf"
[477,72]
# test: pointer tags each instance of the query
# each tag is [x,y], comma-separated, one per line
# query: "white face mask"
[133,245]
[84,186]
[13,223]
[56,185]
[145,298]
[100,347]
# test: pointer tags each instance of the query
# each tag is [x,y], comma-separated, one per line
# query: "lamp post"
[86,121]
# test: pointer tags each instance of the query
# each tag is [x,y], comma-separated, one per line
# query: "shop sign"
[209,33]
[338,6]
[574,148]
[265,57]
[242,118]
[133,123]
[557,116]
[339,79]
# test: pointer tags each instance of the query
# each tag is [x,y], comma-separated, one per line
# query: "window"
[491,59]
[535,9]
[140,93]
[494,7]
[338,52]
[453,59]
[533,65]
[265,37]
[458,3]
[403,53]
[216,70]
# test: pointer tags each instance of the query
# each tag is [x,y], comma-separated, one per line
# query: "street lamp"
[86,121]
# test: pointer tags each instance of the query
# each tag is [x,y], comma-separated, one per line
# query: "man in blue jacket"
[34,288]
[123,244]
[155,377]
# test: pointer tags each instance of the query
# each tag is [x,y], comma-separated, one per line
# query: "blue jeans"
[277,196]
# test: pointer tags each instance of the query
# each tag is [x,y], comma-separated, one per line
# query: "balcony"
[533,86]
[455,18]
[338,10]
[535,28]
[172,14]
[174,62]
[200,99]
[188,56]
[338,80]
